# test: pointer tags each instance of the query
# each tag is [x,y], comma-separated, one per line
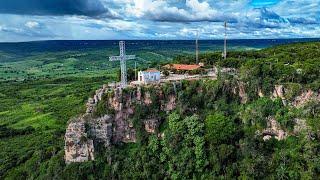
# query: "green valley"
[260,123]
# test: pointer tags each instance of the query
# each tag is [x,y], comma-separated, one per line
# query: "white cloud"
[198,7]
[121,25]
[201,10]
[165,35]
[154,10]
[173,19]
[163,11]
[32,24]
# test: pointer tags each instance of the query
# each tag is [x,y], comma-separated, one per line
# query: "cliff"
[115,123]
[78,148]
[113,115]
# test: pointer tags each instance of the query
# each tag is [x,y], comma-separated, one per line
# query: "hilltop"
[208,128]
[261,122]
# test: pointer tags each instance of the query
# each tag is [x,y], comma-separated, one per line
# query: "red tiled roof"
[187,67]
[151,70]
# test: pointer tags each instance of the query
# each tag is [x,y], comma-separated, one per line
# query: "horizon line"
[316,38]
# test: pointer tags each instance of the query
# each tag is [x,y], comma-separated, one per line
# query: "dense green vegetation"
[210,135]
[292,63]
[33,116]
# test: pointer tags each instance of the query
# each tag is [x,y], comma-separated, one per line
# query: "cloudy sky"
[29,20]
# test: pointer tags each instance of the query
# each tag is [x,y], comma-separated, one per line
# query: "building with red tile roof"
[182,67]
[152,70]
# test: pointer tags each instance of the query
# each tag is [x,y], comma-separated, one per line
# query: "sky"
[32,20]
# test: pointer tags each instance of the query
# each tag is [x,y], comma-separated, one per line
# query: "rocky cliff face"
[114,127]
[299,101]
[92,102]
[273,127]
[78,147]
[306,97]
[279,92]
[100,129]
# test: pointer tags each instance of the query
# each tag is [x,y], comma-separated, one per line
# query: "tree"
[130,74]
[166,73]
[183,147]
[219,128]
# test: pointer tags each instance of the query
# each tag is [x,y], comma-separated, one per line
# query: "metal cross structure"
[122,58]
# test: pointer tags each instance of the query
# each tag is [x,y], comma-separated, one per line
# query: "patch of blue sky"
[263,3]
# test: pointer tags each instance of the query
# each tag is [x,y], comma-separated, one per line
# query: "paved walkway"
[179,77]
[174,77]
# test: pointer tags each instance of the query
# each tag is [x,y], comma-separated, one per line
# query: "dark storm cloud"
[183,19]
[187,18]
[300,20]
[54,7]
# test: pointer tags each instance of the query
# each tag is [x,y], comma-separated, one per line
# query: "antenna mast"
[225,41]
[135,71]
[197,48]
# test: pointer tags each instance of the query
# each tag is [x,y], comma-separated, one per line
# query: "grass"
[37,121]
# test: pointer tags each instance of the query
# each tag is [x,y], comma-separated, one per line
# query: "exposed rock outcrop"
[92,102]
[306,97]
[101,130]
[78,147]
[123,128]
[116,123]
[299,101]
[170,105]
[260,93]
[147,98]
[90,105]
[240,90]
[242,93]
[273,130]
[300,126]
[151,125]
[115,127]
[279,92]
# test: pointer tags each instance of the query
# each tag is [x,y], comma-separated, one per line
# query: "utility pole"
[135,70]
[225,41]
[197,48]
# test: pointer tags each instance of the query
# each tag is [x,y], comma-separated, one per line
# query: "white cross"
[122,58]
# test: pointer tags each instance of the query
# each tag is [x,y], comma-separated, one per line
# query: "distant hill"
[22,49]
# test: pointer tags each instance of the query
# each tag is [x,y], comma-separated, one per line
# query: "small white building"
[149,76]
